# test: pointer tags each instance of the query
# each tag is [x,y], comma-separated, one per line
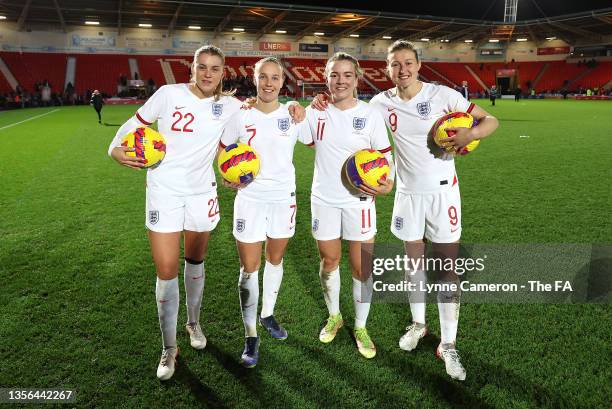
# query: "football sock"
[417,298]
[448,308]
[167,296]
[248,285]
[272,278]
[194,288]
[330,282]
[362,298]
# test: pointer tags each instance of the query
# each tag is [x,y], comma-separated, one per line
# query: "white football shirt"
[417,169]
[192,128]
[273,136]
[337,134]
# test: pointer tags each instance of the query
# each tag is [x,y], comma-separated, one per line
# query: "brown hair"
[261,62]
[402,45]
[340,56]
[212,50]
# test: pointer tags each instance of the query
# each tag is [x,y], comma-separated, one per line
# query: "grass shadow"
[202,393]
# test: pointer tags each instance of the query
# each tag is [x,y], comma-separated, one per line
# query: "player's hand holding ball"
[454,133]
[238,165]
[367,171]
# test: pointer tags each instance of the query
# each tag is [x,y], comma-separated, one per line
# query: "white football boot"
[413,335]
[196,336]
[165,370]
[449,355]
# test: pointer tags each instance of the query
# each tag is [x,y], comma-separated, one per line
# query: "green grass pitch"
[77,280]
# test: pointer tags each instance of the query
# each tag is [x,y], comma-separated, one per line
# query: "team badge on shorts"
[399,223]
[315,225]
[359,123]
[217,110]
[240,224]
[283,124]
[423,108]
[153,216]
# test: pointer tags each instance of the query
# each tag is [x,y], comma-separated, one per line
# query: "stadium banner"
[350,49]
[234,45]
[553,50]
[517,273]
[274,46]
[375,51]
[505,72]
[314,48]
[85,40]
[190,44]
[143,42]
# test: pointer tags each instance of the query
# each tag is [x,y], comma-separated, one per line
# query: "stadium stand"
[100,72]
[376,72]
[597,77]
[29,68]
[5,87]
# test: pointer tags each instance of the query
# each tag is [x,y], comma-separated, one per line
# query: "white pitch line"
[29,119]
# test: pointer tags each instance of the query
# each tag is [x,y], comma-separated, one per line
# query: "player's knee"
[330,262]
[274,259]
[167,272]
[251,266]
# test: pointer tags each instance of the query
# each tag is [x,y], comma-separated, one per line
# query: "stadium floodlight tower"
[510,11]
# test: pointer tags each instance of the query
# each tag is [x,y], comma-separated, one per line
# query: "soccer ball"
[148,144]
[454,119]
[367,166]
[238,163]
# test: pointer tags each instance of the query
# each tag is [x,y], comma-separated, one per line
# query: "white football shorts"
[354,224]
[168,213]
[435,216]
[255,221]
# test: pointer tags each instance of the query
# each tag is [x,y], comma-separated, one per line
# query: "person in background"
[97,102]
[517,94]
[464,90]
[493,94]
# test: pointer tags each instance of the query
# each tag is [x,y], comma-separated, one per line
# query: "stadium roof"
[478,20]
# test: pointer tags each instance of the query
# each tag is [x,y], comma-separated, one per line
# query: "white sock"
[330,282]
[167,296]
[417,309]
[272,278]
[449,317]
[248,285]
[195,276]
[362,298]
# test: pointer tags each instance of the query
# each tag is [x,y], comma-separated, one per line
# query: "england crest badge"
[153,216]
[283,124]
[240,223]
[399,223]
[359,123]
[423,108]
[217,110]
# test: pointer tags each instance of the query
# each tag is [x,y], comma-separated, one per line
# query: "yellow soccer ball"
[366,166]
[453,120]
[238,163]
[148,144]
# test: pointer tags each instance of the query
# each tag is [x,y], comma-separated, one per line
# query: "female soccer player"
[347,126]
[264,210]
[181,194]
[427,201]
